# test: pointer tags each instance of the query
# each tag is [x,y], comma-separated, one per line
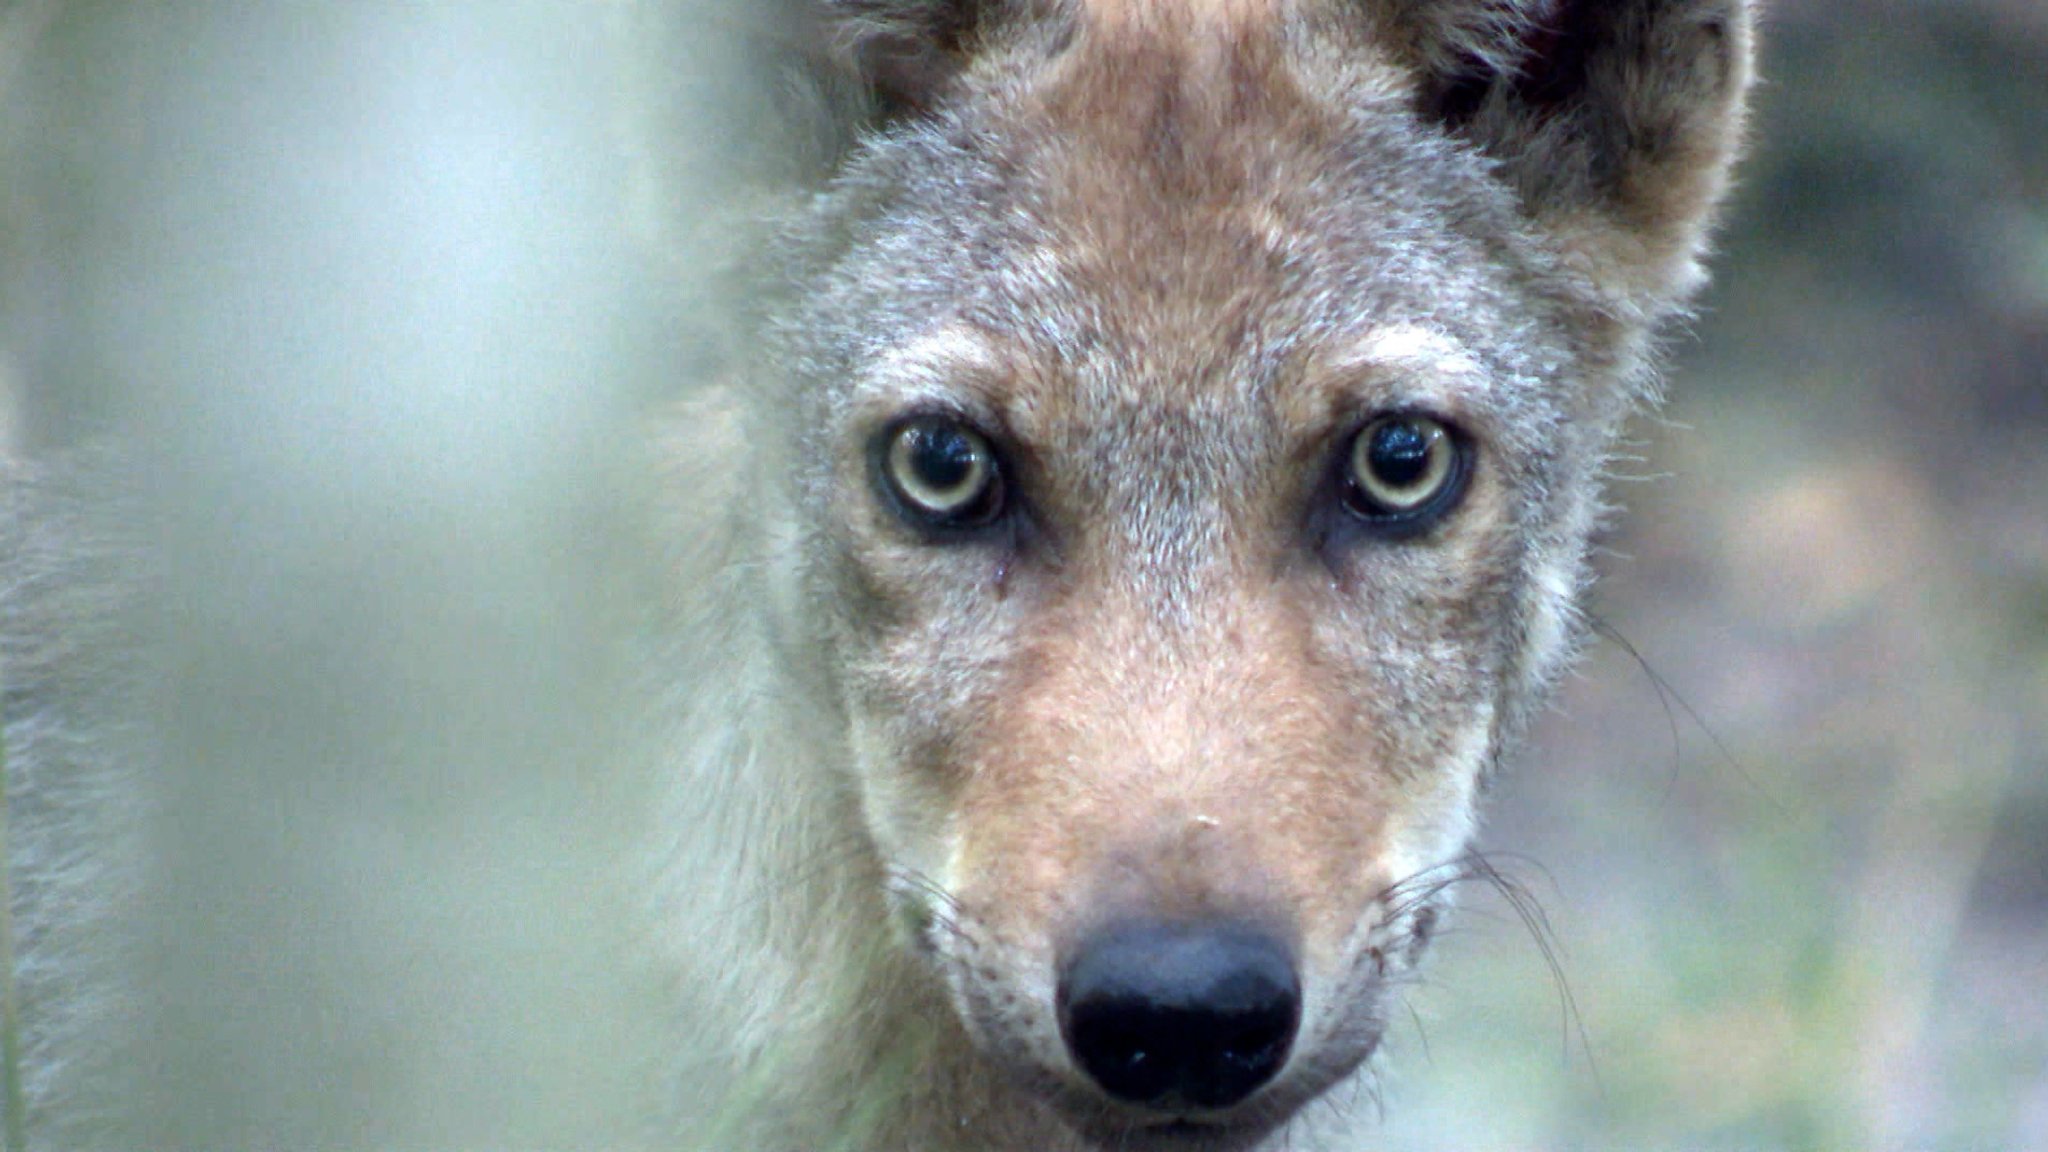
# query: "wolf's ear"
[1615,120]
[903,51]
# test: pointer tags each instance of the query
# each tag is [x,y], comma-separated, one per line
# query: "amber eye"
[942,473]
[1404,471]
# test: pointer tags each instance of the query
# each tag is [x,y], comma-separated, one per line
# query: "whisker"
[1415,892]
[1421,1033]
[1530,911]
[1668,695]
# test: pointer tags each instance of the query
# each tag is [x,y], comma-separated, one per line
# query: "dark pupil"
[1399,454]
[942,456]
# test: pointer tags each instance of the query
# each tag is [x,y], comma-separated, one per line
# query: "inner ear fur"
[1615,121]
[905,52]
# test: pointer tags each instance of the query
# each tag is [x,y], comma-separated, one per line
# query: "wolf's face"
[1201,444]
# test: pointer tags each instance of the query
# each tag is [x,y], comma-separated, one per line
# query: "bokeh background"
[378,286]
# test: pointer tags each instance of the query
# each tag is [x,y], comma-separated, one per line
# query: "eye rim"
[981,508]
[1404,521]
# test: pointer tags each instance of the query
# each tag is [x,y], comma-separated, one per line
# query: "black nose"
[1197,1015]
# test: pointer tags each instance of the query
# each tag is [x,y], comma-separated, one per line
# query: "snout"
[1180,1016]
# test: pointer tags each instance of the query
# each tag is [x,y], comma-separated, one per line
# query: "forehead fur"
[1217,182]
[1179,24]
[1204,168]
[1170,167]
[1165,113]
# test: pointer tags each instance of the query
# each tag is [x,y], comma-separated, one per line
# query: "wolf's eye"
[943,473]
[1403,472]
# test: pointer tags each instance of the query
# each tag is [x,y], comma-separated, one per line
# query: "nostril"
[1200,1015]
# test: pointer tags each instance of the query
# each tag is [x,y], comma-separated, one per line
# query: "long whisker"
[1413,893]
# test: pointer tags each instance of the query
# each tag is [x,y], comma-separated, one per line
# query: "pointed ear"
[903,51]
[1616,121]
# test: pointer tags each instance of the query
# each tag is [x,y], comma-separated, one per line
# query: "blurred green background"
[1794,859]
[1806,904]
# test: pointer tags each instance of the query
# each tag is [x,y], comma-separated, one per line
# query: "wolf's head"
[1202,410]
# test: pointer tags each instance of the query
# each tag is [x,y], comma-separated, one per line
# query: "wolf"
[1168,511]
[1159,507]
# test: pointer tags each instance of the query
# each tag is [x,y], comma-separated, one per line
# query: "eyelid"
[877,415]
